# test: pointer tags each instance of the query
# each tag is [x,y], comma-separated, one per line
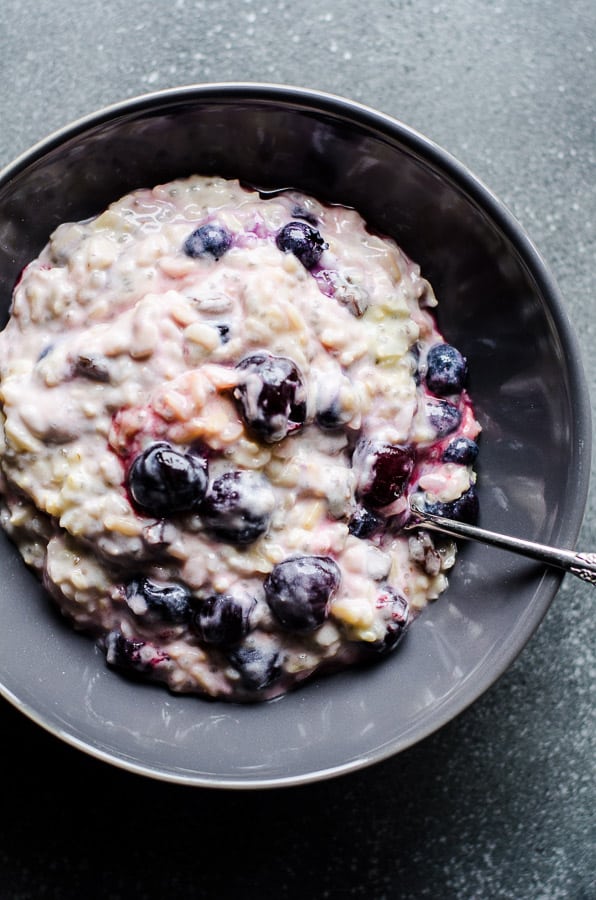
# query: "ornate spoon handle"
[581,564]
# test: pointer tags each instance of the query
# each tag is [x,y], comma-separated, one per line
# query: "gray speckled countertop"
[501,802]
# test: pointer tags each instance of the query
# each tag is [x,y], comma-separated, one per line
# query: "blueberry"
[397,615]
[238,507]
[461,450]
[383,471]
[464,509]
[93,367]
[414,353]
[271,398]
[333,406]
[221,620]
[298,591]
[345,289]
[446,370]
[132,655]
[163,481]
[258,666]
[224,333]
[210,239]
[303,241]
[364,523]
[443,416]
[153,600]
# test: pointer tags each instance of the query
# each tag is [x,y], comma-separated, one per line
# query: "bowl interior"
[497,304]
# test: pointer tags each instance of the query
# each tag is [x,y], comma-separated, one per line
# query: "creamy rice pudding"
[216,406]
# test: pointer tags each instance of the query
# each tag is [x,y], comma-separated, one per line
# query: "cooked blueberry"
[382,471]
[364,523]
[345,289]
[221,620]
[396,618]
[153,600]
[415,356]
[443,416]
[224,333]
[422,550]
[329,419]
[130,654]
[303,241]
[163,481]
[258,666]
[95,368]
[464,509]
[446,370]
[461,450]
[271,397]
[332,417]
[299,212]
[210,239]
[334,401]
[397,615]
[238,507]
[298,591]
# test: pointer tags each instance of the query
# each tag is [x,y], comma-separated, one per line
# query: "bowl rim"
[392,128]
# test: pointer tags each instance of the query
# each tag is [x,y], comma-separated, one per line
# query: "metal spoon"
[581,564]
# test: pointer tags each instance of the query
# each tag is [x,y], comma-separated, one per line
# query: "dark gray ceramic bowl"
[498,304]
